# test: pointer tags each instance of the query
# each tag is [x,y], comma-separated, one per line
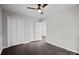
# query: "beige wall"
[0,30]
[63,29]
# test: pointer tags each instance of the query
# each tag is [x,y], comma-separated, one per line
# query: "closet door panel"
[40,31]
[37,31]
[13,35]
[27,33]
[44,28]
[20,31]
[31,31]
[11,32]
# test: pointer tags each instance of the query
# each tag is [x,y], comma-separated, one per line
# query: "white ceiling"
[48,11]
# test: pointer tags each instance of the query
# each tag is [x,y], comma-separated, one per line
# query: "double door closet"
[19,31]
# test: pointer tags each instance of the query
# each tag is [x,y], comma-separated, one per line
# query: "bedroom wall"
[63,29]
[0,30]
[4,25]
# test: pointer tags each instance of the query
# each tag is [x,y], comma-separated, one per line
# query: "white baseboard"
[22,43]
[26,42]
[5,47]
[65,48]
[1,51]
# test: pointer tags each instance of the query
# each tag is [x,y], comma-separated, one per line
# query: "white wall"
[4,25]
[63,29]
[0,30]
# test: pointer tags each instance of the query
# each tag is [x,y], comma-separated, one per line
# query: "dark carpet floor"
[36,48]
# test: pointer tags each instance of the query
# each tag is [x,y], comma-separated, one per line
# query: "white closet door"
[43,31]
[40,31]
[43,28]
[27,32]
[11,32]
[20,31]
[37,31]
[31,31]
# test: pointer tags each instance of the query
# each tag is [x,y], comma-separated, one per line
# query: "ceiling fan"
[39,8]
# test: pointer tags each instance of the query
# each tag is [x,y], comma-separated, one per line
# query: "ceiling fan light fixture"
[39,10]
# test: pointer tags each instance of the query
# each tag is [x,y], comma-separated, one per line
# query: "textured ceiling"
[48,11]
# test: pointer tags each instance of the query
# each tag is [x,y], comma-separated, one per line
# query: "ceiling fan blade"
[44,5]
[32,8]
